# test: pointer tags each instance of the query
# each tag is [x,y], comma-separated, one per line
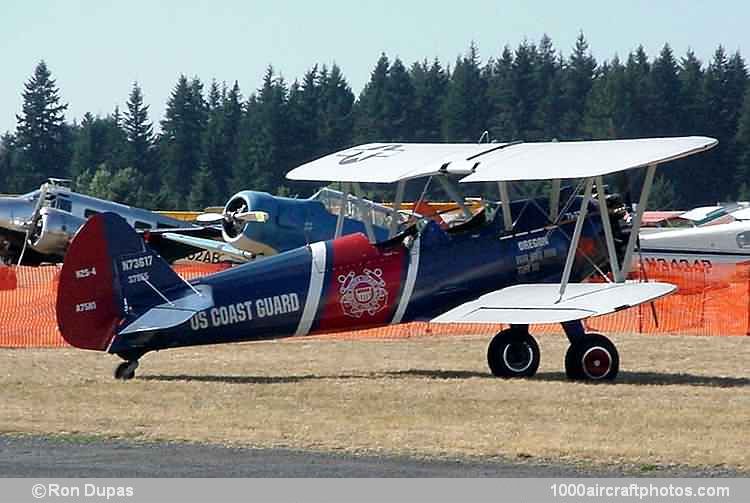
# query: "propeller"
[44,199]
[233,216]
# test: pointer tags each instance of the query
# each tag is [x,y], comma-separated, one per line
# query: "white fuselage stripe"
[411,279]
[317,275]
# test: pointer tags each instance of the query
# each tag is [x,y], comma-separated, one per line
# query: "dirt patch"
[683,400]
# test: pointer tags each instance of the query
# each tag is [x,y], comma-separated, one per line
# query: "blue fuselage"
[349,283]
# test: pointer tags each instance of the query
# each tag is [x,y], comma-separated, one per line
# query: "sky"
[97,49]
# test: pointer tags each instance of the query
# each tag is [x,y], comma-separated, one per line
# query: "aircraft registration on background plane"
[516,264]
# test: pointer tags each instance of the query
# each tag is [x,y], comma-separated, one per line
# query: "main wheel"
[593,358]
[126,370]
[513,353]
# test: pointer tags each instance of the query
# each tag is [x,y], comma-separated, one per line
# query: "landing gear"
[592,357]
[513,353]
[126,370]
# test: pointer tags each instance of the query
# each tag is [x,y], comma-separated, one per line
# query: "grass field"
[678,400]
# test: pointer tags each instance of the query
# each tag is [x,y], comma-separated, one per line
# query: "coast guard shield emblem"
[363,293]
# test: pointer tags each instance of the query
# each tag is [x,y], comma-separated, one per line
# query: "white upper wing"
[391,162]
[387,162]
[581,159]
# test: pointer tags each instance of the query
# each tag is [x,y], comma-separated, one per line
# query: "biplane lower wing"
[541,303]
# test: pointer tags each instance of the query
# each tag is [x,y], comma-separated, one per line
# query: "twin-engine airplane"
[515,263]
[36,228]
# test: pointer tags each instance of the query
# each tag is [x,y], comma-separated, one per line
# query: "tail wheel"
[126,370]
[513,353]
[594,358]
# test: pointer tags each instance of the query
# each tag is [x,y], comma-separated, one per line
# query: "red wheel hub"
[597,362]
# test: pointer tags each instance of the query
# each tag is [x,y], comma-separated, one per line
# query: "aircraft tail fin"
[108,273]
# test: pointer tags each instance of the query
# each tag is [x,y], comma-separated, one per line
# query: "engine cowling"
[250,236]
[53,230]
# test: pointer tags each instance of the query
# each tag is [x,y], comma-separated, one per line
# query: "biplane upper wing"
[393,162]
[387,162]
[581,159]
[541,303]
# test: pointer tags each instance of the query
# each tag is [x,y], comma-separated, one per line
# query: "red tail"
[88,309]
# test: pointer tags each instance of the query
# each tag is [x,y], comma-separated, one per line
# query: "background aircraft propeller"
[233,216]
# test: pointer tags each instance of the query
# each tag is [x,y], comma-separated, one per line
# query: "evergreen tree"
[371,122]
[737,84]
[548,78]
[577,80]
[743,150]
[305,103]
[335,117]
[692,121]
[267,147]
[123,186]
[692,99]
[7,161]
[465,105]
[639,96]
[666,106]
[233,110]
[42,134]
[525,93]
[181,139]
[203,190]
[499,77]
[430,85]
[97,142]
[139,134]
[216,164]
[719,123]
[399,102]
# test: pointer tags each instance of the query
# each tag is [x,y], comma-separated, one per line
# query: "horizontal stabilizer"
[173,313]
[540,303]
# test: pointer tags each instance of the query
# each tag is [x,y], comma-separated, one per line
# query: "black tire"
[594,358]
[513,353]
[126,370]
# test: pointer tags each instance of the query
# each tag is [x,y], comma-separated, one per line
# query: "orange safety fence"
[27,311]
[711,300]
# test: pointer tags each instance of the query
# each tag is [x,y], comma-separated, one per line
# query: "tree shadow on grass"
[624,378]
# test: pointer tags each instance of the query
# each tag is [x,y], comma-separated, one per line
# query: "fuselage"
[349,283]
[52,223]
[697,249]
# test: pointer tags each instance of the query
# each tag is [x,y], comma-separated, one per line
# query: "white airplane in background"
[710,235]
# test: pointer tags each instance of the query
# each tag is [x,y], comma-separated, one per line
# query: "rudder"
[108,273]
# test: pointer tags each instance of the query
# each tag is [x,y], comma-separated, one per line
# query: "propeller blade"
[209,218]
[251,216]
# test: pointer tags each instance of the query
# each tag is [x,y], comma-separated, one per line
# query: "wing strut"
[345,190]
[505,203]
[365,211]
[576,237]
[396,208]
[636,227]
[453,193]
[554,199]
[608,234]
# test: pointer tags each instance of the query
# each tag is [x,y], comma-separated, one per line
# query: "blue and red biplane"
[516,263]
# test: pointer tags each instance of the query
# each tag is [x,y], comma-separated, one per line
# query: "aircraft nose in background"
[14,213]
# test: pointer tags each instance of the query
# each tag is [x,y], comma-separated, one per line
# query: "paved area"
[56,457]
